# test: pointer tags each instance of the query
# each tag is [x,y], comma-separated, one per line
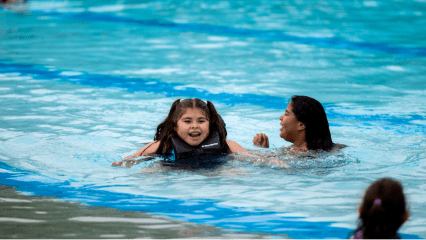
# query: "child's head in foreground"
[192,120]
[383,210]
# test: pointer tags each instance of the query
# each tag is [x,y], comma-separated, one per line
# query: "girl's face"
[289,124]
[193,126]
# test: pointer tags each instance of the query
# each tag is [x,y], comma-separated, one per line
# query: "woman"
[304,124]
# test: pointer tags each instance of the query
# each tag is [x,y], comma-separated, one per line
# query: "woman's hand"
[261,140]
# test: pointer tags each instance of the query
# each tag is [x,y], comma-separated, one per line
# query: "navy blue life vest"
[210,146]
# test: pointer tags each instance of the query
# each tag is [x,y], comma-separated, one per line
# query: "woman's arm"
[146,150]
[261,140]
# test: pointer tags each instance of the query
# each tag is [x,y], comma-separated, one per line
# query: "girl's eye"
[187,121]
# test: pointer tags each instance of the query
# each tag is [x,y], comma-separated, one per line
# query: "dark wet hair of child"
[166,129]
[383,210]
[311,113]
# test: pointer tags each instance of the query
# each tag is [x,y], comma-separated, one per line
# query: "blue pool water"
[86,83]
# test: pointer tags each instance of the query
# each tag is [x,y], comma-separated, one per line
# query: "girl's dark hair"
[166,129]
[311,113]
[383,210]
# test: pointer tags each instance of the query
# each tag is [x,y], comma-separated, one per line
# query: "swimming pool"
[84,84]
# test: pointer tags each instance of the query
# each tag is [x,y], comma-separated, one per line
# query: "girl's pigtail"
[217,123]
[164,124]
[165,130]
[378,222]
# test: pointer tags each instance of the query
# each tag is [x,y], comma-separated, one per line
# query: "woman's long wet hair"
[166,129]
[311,113]
[383,210]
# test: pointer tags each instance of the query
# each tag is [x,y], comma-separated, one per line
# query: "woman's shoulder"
[337,147]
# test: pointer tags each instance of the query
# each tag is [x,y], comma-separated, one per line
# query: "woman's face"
[289,124]
[193,126]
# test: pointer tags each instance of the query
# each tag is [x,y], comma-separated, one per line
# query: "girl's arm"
[146,150]
[236,148]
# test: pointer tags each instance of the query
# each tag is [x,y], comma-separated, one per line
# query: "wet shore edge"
[26,216]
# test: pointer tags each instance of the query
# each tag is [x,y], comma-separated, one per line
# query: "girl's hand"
[120,163]
[261,140]
[279,163]
[125,163]
[129,161]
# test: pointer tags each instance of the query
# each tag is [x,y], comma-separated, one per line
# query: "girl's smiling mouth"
[194,134]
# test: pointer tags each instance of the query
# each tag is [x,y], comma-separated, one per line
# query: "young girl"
[192,128]
[383,211]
